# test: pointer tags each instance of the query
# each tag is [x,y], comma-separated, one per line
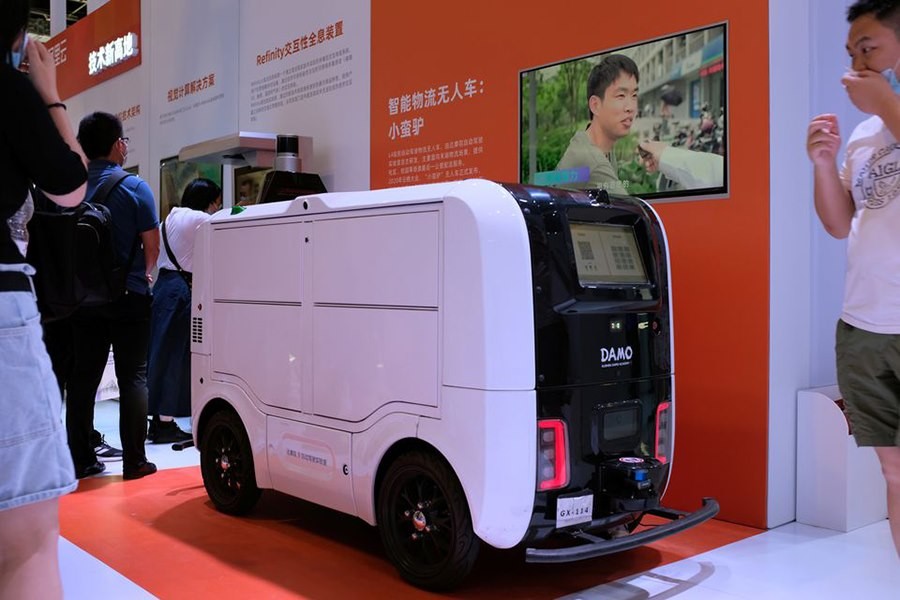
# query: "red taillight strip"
[663,406]
[560,454]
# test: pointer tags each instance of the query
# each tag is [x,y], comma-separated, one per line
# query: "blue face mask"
[892,79]
[16,56]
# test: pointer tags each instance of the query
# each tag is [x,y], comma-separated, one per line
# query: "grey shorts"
[35,463]
[868,367]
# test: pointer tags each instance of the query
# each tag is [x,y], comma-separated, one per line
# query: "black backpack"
[73,254]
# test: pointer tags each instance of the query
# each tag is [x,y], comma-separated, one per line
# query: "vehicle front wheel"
[226,463]
[424,521]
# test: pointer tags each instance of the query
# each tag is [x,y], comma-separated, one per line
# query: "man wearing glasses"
[123,324]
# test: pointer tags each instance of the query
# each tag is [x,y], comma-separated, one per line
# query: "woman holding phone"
[37,147]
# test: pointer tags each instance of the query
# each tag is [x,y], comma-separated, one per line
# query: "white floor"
[796,562]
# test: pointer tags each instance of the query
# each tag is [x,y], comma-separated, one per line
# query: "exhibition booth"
[384,95]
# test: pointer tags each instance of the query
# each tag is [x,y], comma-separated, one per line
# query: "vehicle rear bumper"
[594,546]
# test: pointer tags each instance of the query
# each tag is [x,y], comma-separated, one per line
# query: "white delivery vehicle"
[456,363]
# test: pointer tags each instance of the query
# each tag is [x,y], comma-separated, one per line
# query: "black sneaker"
[142,470]
[168,432]
[105,452]
[94,469]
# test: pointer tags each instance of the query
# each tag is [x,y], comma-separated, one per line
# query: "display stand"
[839,485]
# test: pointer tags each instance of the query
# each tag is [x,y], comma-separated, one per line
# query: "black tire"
[424,522]
[226,463]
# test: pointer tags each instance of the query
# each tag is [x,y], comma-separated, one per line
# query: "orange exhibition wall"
[445,85]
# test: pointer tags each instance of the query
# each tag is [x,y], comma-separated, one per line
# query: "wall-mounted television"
[646,120]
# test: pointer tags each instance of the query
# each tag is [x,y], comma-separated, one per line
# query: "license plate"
[572,511]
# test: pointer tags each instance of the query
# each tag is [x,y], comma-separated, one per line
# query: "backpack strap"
[101,195]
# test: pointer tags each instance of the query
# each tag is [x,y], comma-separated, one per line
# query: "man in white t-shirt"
[861,202]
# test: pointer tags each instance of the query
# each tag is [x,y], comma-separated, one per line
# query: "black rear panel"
[603,347]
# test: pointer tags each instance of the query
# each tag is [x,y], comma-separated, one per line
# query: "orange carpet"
[163,533]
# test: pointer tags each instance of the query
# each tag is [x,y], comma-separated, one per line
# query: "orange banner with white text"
[102,45]
[446,105]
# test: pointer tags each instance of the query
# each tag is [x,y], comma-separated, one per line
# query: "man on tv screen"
[612,91]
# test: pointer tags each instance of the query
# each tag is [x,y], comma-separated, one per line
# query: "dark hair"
[97,133]
[200,193]
[13,20]
[886,11]
[606,72]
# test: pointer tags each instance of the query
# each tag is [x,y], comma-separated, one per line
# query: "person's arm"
[73,198]
[148,224]
[42,72]
[688,168]
[833,202]
[150,240]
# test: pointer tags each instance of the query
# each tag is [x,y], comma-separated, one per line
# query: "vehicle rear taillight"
[553,456]
[664,432]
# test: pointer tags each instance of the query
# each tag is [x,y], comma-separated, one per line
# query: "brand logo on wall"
[615,356]
[113,53]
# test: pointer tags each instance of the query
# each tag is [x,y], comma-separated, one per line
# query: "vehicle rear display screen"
[607,255]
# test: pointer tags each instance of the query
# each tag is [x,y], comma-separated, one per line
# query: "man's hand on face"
[869,91]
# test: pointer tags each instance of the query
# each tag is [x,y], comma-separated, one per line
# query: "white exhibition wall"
[193,79]
[304,69]
[205,73]
[806,61]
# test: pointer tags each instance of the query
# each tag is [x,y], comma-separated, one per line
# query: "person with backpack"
[169,363]
[37,147]
[124,322]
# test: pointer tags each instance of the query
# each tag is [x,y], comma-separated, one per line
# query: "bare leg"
[29,560]
[890,466]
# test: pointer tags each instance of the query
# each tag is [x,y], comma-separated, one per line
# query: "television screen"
[646,120]
[248,181]
[174,175]
[606,255]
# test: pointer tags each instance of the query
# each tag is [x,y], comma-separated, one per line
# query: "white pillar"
[57,16]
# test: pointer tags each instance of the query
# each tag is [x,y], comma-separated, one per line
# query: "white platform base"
[839,485]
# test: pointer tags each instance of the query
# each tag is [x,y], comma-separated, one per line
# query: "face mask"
[16,56]
[891,77]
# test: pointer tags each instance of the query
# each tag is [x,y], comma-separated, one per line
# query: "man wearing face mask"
[860,202]
[125,323]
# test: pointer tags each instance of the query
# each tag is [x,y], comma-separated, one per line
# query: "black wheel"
[424,521]
[226,463]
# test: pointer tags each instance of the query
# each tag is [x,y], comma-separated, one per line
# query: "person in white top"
[169,357]
[860,202]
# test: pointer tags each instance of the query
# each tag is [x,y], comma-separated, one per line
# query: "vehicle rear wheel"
[424,521]
[226,463]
